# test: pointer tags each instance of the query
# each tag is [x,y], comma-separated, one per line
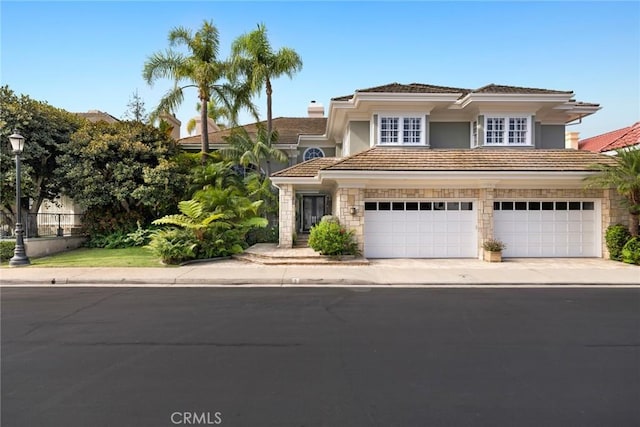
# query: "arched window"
[312,153]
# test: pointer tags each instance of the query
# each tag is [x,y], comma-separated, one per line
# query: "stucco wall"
[40,247]
[550,136]
[359,137]
[449,134]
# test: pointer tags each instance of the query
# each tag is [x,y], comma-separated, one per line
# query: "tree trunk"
[204,138]
[269,118]
[633,224]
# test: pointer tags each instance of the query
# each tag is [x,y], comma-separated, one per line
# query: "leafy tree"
[217,174]
[200,68]
[215,112]
[624,176]
[213,223]
[249,152]
[46,130]
[120,166]
[254,58]
[136,110]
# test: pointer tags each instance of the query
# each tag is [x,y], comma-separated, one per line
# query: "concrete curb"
[301,283]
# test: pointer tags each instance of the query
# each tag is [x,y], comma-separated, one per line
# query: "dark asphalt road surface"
[320,357]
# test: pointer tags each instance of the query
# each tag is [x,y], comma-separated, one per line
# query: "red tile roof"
[620,138]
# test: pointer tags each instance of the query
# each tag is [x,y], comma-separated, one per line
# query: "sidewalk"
[387,272]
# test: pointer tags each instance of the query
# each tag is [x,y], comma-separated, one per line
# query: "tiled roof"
[402,88]
[425,88]
[487,159]
[289,128]
[620,138]
[309,168]
[98,116]
[493,88]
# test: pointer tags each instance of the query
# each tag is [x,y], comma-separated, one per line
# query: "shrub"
[7,248]
[140,237]
[631,251]
[173,245]
[115,240]
[330,238]
[104,221]
[494,245]
[616,236]
[262,235]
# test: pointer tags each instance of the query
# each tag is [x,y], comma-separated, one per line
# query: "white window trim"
[475,141]
[304,155]
[401,117]
[505,139]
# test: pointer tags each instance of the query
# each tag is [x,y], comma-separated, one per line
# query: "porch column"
[287,216]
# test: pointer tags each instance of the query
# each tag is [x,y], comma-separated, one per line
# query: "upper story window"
[401,130]
[507,130]
[312,153]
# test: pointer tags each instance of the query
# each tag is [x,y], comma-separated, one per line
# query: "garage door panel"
[437,229]
[550,229]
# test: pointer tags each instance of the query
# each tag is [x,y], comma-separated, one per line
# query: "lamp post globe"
[19,254]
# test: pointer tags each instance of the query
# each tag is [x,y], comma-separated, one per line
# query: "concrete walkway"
[387,272]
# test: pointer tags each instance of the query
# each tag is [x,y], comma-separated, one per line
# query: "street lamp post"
[20,254]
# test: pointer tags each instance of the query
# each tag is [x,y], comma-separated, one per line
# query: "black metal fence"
[42,225]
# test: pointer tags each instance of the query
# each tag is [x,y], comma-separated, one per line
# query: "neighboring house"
[98,116]
[294,137]
[64,213]
[608,143]
[423,171]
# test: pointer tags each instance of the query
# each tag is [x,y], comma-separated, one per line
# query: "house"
[295,136]
[608,143]
[63,214]
[96,116]
[424,171]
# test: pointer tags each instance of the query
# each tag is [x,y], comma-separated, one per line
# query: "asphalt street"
[320,357]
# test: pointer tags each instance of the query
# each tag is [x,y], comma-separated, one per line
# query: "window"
[545,206]
[312,153]
[507,131]
[401,130]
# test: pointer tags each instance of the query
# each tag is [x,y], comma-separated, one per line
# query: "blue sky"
[83,55]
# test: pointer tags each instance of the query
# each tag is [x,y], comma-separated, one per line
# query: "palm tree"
[624,175]
[200,69]
[253,57]
[215,112]
[248,152]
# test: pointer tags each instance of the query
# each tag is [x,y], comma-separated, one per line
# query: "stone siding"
[287,220]
[344,199]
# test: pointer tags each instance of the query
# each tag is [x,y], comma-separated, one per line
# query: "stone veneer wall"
[344,199]
[612,207]
[287,218]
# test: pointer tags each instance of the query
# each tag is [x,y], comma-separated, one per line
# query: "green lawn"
[85,257]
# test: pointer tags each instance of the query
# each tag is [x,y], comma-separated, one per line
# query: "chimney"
[315,109]
[174,123]
[211,126]
[571,140]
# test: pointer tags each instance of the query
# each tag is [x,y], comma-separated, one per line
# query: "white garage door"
[546,228]
[420,229]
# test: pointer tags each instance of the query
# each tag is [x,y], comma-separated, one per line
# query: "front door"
[312,211]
